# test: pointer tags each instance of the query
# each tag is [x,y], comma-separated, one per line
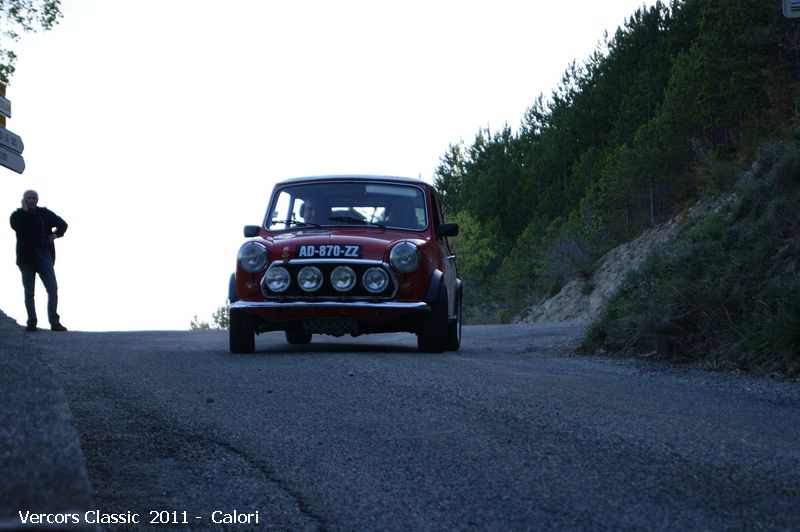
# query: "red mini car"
[348,255]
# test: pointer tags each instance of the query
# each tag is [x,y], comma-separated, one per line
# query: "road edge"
[44,470]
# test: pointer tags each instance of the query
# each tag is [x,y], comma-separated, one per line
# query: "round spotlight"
[310,279]
[375,280]
[277,279]
[343,278]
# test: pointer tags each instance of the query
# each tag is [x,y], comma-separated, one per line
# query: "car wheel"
[432,336]
[241,336]
[298,337]
[454,328]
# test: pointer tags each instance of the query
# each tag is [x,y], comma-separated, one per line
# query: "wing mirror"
[251,230]
[447,230]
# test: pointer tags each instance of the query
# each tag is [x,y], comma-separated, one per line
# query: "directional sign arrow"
[5,106]
[12,160]
[10,140]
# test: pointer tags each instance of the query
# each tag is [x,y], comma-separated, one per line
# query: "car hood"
[375,243]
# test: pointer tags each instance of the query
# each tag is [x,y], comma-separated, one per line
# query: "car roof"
[354,177]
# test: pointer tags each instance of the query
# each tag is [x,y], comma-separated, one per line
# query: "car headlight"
[375,280]
[277,279]
[310,279]
[404,257]
[343,278]
[252,257]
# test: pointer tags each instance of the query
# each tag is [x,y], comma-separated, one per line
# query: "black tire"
[232,289]
[298,337]
[241,336]
[454,328]
[432,335]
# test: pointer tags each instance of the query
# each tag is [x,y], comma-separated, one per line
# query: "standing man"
[36,228]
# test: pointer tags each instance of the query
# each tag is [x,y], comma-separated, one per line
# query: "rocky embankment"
[584,298]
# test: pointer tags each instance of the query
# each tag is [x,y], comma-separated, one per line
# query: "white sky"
[156,128]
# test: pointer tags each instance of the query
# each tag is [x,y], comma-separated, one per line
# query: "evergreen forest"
[667,111]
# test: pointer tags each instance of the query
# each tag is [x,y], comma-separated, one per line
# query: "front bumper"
[355,305]
[333,317]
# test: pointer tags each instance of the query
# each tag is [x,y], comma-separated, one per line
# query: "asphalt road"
[511,433]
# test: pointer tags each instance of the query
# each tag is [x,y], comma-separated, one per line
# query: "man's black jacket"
[33,230]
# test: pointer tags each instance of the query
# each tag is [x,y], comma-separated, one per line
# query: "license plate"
[329,251]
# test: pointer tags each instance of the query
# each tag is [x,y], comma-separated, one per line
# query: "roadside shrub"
[726,292]
[773,343]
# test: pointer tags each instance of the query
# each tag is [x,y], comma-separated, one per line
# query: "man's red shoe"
[31,328]
[58,328]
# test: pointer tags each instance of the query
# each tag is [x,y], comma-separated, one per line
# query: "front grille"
[326,291]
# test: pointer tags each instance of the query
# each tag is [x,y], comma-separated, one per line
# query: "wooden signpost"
[11,144]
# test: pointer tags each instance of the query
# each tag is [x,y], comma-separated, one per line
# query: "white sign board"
[791,8]
[12,160]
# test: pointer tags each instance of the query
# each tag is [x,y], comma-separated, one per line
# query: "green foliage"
[492,184]
[220,320]
[663,113]
[670,109]
[727,292]
[449,177]
[199,325]
[221,317]
[23,16]
[477,252]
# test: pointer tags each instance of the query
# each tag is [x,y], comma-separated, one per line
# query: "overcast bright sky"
[156,128]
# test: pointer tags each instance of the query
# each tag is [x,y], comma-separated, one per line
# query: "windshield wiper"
[294,222]
[354,220]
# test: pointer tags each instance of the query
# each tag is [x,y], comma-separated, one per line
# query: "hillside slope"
[725,292]
[585,298]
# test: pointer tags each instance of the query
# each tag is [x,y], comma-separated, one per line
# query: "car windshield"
[348,203]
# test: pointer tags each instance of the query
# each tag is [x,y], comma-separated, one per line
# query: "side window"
[281,215]
[437,210]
